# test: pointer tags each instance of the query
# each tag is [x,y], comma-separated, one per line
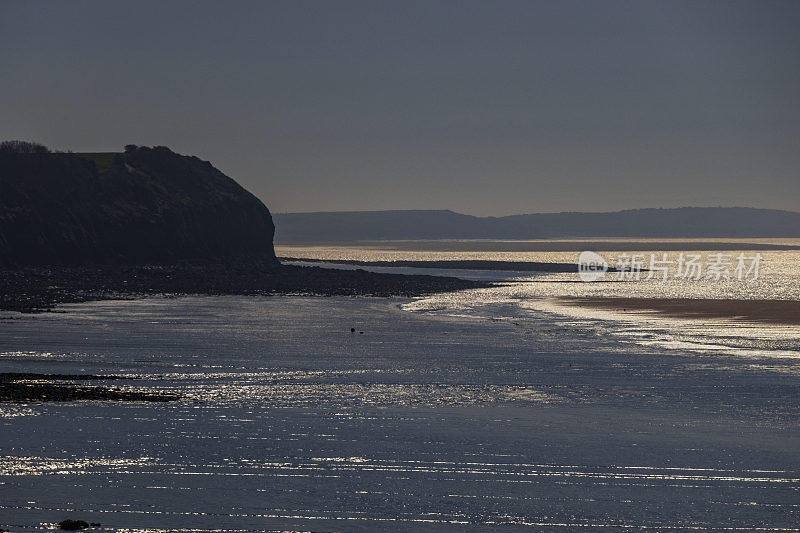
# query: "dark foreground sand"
[768,311]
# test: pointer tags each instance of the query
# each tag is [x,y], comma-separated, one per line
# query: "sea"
[495,409]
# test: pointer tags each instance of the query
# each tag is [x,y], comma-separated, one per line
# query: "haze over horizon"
[480,108]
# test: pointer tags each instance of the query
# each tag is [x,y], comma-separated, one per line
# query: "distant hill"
[144,205]
[686,222]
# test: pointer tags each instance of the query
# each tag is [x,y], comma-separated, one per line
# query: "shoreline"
[462,264]
[778,312]
[37,289]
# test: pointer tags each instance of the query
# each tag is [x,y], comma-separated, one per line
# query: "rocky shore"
[29,387]
[32,289]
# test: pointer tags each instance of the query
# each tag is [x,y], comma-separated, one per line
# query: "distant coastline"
[685,222]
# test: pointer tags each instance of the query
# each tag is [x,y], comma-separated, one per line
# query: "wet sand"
[768,311]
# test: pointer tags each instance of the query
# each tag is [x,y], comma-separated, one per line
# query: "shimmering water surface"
[526,294]
[778,273]
[495,409]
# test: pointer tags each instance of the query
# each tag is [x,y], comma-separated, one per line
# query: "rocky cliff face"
[143,206]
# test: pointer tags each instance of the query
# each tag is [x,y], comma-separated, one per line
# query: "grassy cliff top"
[103,160]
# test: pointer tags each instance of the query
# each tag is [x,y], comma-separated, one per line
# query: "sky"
[486,108]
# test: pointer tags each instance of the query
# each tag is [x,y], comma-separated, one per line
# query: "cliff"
[143,206]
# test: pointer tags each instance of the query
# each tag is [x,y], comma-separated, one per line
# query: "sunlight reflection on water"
[529,294]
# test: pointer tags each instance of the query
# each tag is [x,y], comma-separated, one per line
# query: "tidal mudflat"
[426,421]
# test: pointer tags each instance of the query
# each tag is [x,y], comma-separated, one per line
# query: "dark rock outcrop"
[28,387]
[73,525]
[143,206]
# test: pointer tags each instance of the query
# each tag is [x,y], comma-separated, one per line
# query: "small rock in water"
[73,525]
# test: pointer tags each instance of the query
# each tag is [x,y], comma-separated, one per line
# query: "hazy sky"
[480,107]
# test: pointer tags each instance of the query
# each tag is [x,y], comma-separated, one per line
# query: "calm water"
[482,410]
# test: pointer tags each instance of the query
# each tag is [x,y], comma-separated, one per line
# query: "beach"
[34,289]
